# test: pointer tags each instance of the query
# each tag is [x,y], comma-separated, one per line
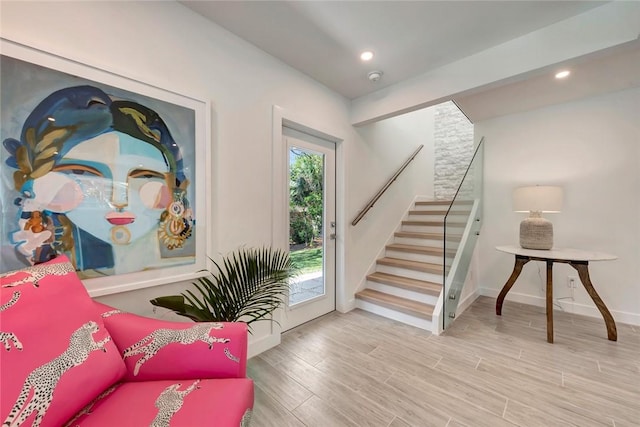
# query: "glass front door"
[312,227]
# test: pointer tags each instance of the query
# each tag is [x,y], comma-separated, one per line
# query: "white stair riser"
[435,243]
[403,293]
[438,207]
[457,210]
[394,315]
[428,208]
[410,256]
[456,218]
[419,275]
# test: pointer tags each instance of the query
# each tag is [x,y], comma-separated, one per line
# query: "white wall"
[384,146]
[592,148]
[169,46]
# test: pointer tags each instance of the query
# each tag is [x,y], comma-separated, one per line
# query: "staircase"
[407,281]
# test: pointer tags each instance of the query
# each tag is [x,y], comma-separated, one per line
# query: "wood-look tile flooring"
[359,369]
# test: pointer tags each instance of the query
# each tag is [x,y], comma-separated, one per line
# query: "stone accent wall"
[453,147]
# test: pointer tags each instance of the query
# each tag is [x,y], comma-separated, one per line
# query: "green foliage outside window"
[305,198]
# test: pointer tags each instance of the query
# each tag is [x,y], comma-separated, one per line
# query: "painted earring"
[34,223]
[174,227]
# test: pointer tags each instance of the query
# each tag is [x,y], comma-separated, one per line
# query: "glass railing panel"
[461,229]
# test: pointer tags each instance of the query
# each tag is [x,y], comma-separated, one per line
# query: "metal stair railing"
[379,194]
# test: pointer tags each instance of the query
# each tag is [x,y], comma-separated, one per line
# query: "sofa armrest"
[159,349]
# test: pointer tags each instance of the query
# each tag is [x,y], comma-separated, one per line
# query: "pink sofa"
[66,360]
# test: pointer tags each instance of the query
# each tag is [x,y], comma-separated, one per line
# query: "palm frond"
[247,285]
[177,304]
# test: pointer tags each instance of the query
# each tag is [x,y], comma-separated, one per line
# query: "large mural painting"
[96,172]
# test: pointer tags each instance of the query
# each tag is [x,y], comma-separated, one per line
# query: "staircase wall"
[385,147]
[453,149]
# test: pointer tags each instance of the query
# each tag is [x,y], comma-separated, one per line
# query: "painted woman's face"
[122,181]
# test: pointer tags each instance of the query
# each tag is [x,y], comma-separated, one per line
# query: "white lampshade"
[538,198]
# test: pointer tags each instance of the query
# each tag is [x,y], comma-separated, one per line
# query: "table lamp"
[536,232]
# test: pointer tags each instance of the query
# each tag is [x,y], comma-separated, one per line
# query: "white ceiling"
[323,39]
[606,71]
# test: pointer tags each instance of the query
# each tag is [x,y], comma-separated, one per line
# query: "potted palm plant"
[247,285]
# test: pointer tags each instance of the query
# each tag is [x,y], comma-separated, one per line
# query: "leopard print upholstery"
[111,313]
[169,402]
[246,418]
[150,345]
[8,338]
[39,272]
[44,379]
[87,409]
[14,299]
[230,356]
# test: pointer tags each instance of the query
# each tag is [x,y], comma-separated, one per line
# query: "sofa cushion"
[158,349]
[219,403]
[61,355]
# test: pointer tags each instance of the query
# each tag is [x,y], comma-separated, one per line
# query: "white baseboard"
[263,344]
[465,303]
[346,307]
[568,306]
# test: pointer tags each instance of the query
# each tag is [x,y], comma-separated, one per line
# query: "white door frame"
[280,231]
[314,307]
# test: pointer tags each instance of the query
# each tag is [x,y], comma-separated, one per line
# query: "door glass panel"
[306,228]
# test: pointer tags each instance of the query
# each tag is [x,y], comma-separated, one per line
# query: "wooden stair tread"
[416,249]
[421,286]
[442,202]
[425,267]
[419,249]
[433,203]
[418,309]
[426,236]
[434,223]
[418,235]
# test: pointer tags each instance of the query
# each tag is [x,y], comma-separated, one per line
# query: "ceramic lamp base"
[536,233]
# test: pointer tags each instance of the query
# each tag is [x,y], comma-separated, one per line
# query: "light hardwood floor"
[359,369]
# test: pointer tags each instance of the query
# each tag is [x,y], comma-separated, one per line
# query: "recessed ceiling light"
[562,74]
[367,55]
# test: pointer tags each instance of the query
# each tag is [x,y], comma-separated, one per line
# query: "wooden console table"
[578,259]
